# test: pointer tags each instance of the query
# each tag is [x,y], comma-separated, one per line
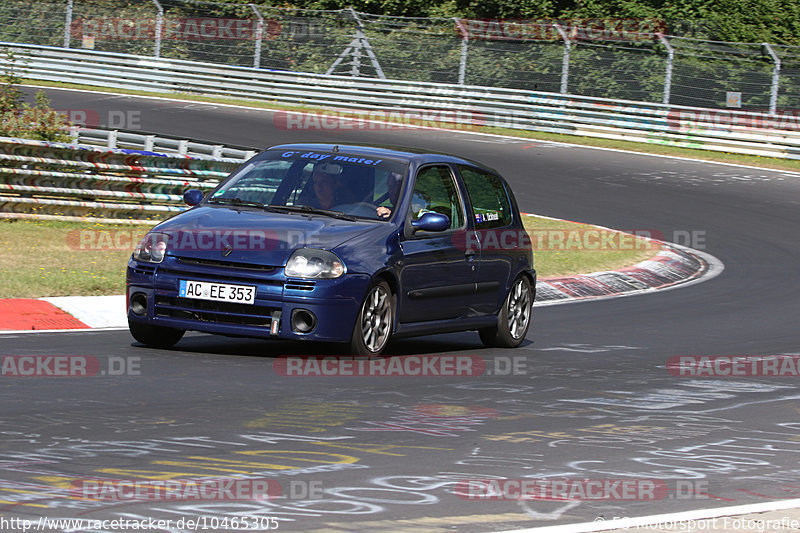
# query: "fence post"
[462,64]
[356,70]
[259,37]
[159,24]
[776,78]
[565,61]
[354,48]
[68,24]
[668,73]
[363,42]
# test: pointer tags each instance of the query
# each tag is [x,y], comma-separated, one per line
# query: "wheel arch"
[394,285]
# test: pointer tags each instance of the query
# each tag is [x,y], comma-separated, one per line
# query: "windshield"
[317,182]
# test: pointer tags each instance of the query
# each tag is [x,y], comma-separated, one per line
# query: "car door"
[437,276]
[499,240]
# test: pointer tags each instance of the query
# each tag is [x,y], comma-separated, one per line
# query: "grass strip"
[58,258]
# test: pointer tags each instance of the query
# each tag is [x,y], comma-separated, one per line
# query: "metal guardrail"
[776,135]
[121,185]
[156,143]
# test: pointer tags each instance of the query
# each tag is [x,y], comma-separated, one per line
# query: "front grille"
[297,285]
[226,264]
[144,270]
[219,312]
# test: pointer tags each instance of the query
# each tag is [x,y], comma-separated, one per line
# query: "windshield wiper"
[313,211]
[236,201]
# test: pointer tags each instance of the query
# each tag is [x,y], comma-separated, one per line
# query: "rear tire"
[374,322]
[514,318]
[155,336]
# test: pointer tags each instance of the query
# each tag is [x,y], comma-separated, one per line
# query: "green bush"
[19,119]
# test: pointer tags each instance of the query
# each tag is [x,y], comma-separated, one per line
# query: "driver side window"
[435,191]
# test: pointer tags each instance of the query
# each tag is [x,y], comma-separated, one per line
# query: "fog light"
[139,304]
[303,321]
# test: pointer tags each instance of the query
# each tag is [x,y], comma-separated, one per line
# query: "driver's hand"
[384,212]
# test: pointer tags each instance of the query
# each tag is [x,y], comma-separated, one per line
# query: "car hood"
[253,236]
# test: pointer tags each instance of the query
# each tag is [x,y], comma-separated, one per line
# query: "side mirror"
[431,222]
[193,197]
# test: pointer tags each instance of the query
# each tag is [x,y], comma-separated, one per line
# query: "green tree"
[10,94]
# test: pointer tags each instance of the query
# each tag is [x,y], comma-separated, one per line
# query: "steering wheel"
[361,209]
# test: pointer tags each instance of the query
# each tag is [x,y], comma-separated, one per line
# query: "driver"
[327,185]
[393,183]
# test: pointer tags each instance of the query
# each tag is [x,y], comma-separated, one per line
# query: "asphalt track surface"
[591,398]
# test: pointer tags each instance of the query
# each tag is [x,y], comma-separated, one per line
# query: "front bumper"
[334,303]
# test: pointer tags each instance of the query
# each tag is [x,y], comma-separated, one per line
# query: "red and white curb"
[672,267]
[62,313]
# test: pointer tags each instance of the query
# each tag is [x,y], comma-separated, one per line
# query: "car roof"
[402,153]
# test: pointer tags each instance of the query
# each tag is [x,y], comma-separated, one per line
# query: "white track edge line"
[642,521]
[75,330]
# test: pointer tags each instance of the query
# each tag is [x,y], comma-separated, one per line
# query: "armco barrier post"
[112,139]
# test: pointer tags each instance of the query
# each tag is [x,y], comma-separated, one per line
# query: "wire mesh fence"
[516,64]
[705,71]
[623,60]
[789,81]
[33,22]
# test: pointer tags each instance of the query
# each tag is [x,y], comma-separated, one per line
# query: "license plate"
[218,292]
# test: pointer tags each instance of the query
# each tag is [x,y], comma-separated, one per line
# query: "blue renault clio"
[348,244]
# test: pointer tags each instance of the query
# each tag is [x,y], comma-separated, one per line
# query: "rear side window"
[488,197]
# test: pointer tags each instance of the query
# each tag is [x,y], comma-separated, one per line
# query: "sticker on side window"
[487,217]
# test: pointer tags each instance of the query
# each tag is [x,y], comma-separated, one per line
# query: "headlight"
[317,264]
[151,248]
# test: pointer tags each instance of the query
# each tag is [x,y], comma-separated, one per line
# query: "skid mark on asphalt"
[427,524]
[690,178]
[584,348]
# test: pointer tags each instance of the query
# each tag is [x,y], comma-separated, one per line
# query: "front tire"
[374,322]
[155,336]
[514,318]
